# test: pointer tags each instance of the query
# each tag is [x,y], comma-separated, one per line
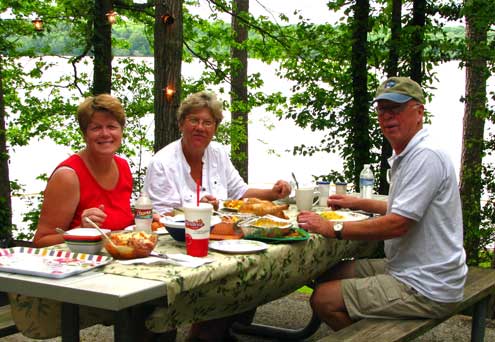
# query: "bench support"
[279,333]
[479,320]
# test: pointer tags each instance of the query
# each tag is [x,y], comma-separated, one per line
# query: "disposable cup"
[324,191]
[341,188]
[197,222]
[304,198]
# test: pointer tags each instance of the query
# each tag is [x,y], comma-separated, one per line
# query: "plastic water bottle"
[366,180]
[143,213]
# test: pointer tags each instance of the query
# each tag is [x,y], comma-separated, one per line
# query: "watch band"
[337,229]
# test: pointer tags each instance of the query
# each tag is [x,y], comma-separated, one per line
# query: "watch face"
[338,226]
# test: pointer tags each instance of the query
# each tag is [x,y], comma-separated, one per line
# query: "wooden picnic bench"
[7,325]
[480,285]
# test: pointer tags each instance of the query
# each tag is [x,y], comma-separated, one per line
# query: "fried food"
[155,225]
[131,245]
[227,229]
[265,222]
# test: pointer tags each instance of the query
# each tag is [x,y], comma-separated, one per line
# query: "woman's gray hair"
[198,101]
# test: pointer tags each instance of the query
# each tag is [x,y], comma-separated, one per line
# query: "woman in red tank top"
[93,183]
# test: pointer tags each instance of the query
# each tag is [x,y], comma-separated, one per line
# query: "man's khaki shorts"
[374,294]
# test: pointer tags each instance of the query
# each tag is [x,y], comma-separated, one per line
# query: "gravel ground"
[293,312]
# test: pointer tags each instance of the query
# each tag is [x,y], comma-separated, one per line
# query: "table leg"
[70,322]
[124,329]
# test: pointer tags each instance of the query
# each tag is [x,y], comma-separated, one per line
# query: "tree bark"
[239,91]
[360,139]
[417,47]
[392,69]
[473,127]
[168,61]
[5,202]
[102,44]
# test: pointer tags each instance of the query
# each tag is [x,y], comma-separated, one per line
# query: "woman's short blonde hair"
[99,103]
[201,100]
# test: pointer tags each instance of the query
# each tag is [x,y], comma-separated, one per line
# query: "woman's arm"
[61,198]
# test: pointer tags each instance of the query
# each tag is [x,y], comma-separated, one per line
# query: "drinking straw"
[198,188]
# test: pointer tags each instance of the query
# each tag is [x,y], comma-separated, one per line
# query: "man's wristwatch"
[338,227]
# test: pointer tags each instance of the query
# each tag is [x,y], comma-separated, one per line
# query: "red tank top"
[91,194]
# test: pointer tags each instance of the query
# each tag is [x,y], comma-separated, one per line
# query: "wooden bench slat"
[480,283]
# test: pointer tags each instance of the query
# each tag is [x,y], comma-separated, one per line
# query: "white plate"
[159,231]
[177,221]
[238,246]
[348,216]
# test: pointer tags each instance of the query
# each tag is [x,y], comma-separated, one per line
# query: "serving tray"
[303,235]
[48,263]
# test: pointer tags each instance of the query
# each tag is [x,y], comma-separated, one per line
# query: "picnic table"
[231,284]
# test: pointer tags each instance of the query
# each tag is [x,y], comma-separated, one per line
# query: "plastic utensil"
[60,230]
[295,180]
[102,232]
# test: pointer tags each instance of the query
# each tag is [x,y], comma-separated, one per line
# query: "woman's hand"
[210,199]
[97,215]
[281,189]
[314,223]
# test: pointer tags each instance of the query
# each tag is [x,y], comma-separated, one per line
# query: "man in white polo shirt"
[424,271]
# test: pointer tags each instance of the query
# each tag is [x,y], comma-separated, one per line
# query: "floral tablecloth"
[236,283]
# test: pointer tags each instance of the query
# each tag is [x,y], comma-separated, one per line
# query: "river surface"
[270,140]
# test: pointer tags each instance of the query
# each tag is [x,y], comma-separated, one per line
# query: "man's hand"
[314,223]
[281,189]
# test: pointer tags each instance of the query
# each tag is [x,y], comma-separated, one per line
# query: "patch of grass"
[305,290]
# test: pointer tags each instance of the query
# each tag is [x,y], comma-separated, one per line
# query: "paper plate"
[238,246]
[159,231]
[347,216]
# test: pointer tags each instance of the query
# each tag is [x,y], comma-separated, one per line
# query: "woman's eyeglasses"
[196,122]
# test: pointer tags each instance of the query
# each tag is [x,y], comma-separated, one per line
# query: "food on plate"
[277,233]
[233,204]
[266,222]
[155,225]
[331,215]
[227,229]
[130,245]
[262,207]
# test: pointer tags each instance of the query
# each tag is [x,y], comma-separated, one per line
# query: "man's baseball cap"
[400,90]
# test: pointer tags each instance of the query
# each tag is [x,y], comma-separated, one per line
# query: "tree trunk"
[360,139]
[392,69]
[417,47]
[102,44]
[239,91]
[168,60]
[5,202]
[473,127]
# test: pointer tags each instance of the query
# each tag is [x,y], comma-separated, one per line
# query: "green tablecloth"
[236,283]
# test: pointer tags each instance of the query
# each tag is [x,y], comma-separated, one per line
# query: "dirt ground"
[293,312]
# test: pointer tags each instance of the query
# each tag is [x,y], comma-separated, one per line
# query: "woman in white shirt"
[177,169]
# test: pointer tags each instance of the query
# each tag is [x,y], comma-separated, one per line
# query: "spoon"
[101,231]
[60,230]
[295,180]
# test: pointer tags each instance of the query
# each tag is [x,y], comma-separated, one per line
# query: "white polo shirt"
[430,257]
[170,185]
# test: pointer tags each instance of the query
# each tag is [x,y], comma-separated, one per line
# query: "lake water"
[269,149]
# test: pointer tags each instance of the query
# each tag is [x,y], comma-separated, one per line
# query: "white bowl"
[84,240]
[88,247]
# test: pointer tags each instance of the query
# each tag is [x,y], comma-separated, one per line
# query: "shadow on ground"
[294,312]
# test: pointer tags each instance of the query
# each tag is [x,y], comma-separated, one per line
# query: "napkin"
[173,259]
